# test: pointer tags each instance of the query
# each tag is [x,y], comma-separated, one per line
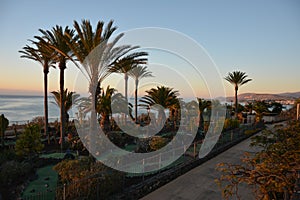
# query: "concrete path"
[199,182]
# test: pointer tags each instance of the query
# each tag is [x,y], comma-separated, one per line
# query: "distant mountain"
[291,94]
[259,97]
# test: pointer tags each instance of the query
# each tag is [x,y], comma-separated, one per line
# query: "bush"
[272,172]
[231,124]
[7,155]
[157,143]
[87,178]
[29,143]
[12,171]
[250,132]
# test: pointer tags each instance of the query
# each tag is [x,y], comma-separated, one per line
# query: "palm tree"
[203,104]
[137,74]
[237,78]
[249,107]
[164,96]
[104,107]
[57,40]
[70,98]
[260,107]
[128,63]
[45,56]
[96,55]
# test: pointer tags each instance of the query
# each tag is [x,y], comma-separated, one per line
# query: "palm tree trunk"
[201,121]
[161,118]
[126,86]
[126,91]
[62,67]
[46,102]
[236,102]
[93,124]
[135,100]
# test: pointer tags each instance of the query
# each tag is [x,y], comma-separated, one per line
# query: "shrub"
[272,172]
[7,155]
[250,132]
[157,143]
[11,171]
[231,124]
[29,143]
[84,177]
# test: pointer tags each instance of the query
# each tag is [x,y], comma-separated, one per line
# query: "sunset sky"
[261,38]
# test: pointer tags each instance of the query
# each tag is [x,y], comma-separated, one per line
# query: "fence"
[93,187]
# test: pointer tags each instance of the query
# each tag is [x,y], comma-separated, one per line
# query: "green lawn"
[54,155]
[38,188]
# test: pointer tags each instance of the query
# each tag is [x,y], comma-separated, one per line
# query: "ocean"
[21,109]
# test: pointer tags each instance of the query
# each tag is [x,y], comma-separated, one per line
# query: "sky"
[261,38]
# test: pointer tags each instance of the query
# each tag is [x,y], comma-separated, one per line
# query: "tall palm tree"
[237,78]
[164,96]
[137,74]
[203,104]
[45,56]
[57,40]
[128,63]
[96,54]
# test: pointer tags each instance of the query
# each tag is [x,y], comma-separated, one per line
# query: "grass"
[46,176]
[54,155]
[131,147]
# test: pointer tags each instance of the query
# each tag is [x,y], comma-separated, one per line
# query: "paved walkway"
[199,182]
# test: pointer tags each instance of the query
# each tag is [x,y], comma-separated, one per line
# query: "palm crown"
[237,78]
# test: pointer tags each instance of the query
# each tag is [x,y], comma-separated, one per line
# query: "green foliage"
[3,126]
[231,124]
[73,170]
[271,171]
[7,155]
[276,107]
[11,171]
[260,108]
[40,121]
[250,132]
[157,143]
[86,177]
[29,143]
[70,98]
[237,79]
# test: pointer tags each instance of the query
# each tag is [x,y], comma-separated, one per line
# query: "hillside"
[260,97]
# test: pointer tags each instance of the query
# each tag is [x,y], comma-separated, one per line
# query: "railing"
[92,187]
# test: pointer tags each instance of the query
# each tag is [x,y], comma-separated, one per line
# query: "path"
[199,184]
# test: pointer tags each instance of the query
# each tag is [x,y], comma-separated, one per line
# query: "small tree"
[3,126]
[157,143]
[29,143]
[272,171]
[87,178]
